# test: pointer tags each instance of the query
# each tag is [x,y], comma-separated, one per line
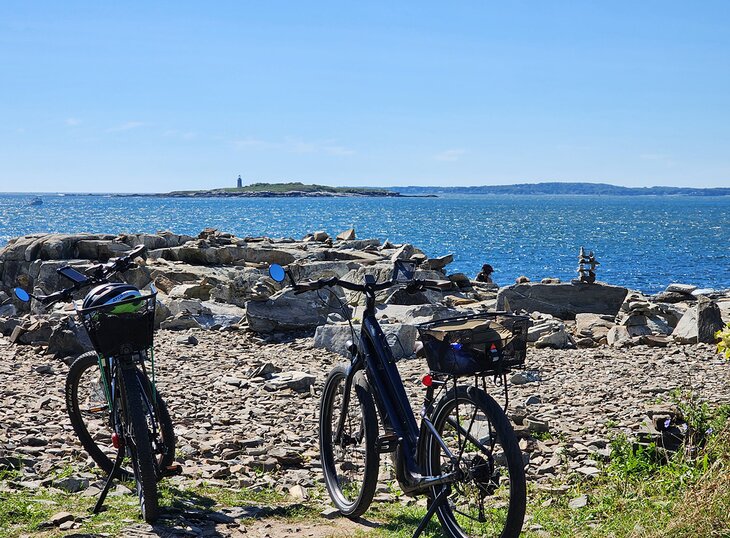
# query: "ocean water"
[642,242]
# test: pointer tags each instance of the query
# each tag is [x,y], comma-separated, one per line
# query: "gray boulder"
[401,337]
[709,320]
[69,338]
[160,240]
[191,291]
[358,244]
[8,325]
[194,307]
[686,330]
[286,311]
[180,322]
[405,252]
[161,313]
[681,288]
[8,310]
[402,297]
[559,339]
[347,235]
[313,270]
[543,328]
[99,249]
[410,315]
[594,326]
[294,380]
[240,289]
[437,264]
[673,297]
[220,315]
[618,336]
[34,331]
[699,323]
[562,300]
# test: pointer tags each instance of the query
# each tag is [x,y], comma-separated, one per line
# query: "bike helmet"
[112,293]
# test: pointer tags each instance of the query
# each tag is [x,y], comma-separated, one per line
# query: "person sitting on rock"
[486,274]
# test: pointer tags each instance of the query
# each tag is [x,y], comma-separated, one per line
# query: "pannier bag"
[487,343]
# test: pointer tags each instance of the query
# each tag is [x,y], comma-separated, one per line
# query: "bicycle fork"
[118,440]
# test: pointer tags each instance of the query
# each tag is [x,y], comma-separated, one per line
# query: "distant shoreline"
[568,189]
[299,190]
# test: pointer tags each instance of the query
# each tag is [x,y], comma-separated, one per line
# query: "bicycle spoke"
[478,504]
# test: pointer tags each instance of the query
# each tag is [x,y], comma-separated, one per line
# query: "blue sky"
[151,97]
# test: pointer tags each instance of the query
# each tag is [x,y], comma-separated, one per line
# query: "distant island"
[557,188]
[554,188]
[294,189]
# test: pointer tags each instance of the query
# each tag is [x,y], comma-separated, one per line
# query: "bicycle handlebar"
[100,274]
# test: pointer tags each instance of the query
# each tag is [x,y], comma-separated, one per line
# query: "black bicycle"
[464,455]
[111,396]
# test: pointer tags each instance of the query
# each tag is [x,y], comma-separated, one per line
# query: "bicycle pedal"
[387,443]
[172,470]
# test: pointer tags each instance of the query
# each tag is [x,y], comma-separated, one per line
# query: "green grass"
[400,521]
[26,511]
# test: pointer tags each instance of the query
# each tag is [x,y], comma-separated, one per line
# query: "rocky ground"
[245,414]
[241,361]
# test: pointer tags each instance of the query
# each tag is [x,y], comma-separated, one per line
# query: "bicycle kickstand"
[440,498]
[110,478]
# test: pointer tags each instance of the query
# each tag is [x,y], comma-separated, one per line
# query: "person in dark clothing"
[486,274]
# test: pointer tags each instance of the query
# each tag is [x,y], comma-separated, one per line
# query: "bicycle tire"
[80,370]
[139,446]
[351,503]
[483,467]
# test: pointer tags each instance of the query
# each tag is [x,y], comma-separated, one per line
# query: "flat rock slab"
[400,336]
[562,300]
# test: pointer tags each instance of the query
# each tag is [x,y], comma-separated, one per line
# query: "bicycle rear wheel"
[350,466]
[490,499]
[139,445]
[87,409]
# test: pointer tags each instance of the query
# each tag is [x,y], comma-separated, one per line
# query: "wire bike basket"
[486,343]
[121,328]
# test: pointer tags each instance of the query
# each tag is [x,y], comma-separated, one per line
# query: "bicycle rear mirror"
[404,271]
[21,294]
[277,272]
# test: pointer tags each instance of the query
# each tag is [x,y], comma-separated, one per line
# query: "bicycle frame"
[109,367]
[375,357]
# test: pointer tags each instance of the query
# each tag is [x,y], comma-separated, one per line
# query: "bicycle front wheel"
[88,412]
[490,497]
[139,445]
[350,464]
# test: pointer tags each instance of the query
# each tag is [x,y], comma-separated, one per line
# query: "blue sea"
[641,242]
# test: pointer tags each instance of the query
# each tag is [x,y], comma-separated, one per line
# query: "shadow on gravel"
[285,337]
[398,522]
[193,514]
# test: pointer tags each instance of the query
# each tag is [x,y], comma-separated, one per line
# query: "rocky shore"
[241,360]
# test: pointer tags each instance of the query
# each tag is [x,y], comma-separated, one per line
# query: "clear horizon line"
[389,187]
